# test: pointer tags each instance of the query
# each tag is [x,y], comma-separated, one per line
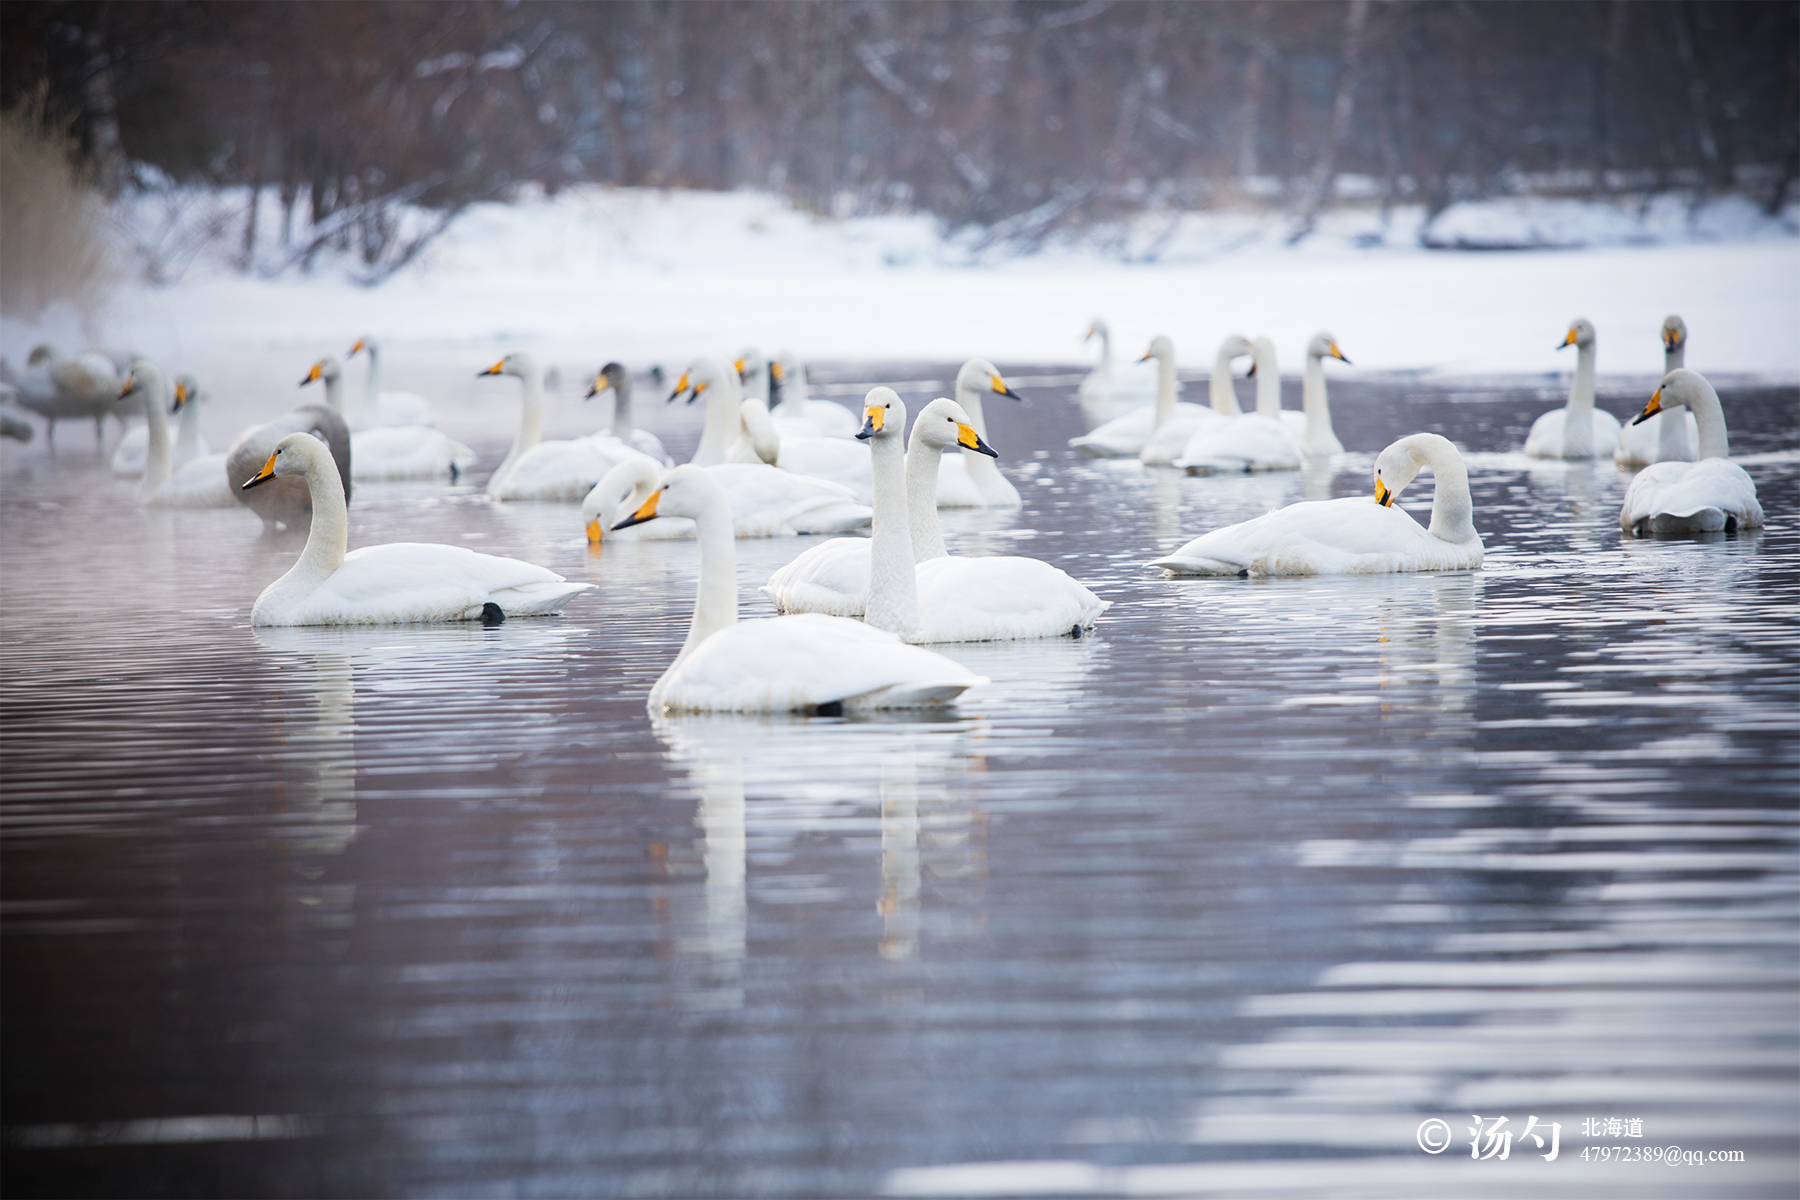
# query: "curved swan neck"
[1268,378]
[1709,417]
[893,590]
[1452,508]
[329,533]
[1224,394]
[922,463]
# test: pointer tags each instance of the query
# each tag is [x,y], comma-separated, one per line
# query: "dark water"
[1225,900]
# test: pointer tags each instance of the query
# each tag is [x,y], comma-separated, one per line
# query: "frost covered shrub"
[52,235]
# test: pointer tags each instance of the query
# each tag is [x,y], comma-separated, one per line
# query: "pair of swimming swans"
[201,481]
[389,452]
[562,470]
[1354,535]
[133,449]
[902,578]
[1668,436]
[398,583]
[1710,495]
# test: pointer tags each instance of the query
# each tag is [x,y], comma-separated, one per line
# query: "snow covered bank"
[644,275]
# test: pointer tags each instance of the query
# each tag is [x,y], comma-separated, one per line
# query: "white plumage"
[1708,496]
[1670,435]
[558,470]
[765,501]
[1577,430]
[387,453]
[382,409]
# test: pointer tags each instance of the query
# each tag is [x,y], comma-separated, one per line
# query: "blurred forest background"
[1018,117]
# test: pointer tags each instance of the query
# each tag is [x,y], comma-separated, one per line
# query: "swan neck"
[372,390]
[1312,395]
[1709,417]
[922,463]
[1268,385]
[621,421]
[1452,508]
[1674,356]
[1105,337]
[1224,395]
[329,533]
[723,420]
[1165,390]
[716,599]
[157,465]
[531,425]
[334,393]
[187,435]
[893,590]
[1581,391]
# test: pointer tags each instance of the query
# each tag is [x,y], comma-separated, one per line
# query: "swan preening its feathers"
[809,663]
[400,583]
[1352,536]
[1578,430]
[1711,495]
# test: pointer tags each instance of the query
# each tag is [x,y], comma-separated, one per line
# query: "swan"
[740,430]
[790,401]
[198,483]
[1698,497]
[286,502]
[58,388]
[399,583]
[765,502]
[1351,536]
[957,599]
[538,470]
[615,377]
[1126,436]
[1258,441]
[808,663]
[968,479]
[1103,385]
[1317,438]
[128,455]
[1668,436]
[391,452]
[379,409]
[1169,440]
[1578,430]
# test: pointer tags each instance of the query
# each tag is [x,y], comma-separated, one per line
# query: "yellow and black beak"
[1251,373]
[1000,388]
[776,372]
[1383,497]
[1567,341]
[262,476]
[1650,409]
[130,382]
[645,512]
[600,384]
[1338,354]
[968,439]
[493,370]
[312,376]
[355,350]
[181,398]
[873,418]
[681,385]
[1671,338]
[594,532]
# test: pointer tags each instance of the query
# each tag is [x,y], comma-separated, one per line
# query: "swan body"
[58,388]
[1577,430]
[13,425]
[790,406]
[1131,435]
[1351,536]
[1105,385]
[381,409]
[1711,495]
[967,479]
[807,663]
[617,379]
[558,470]
[765,501]
[391,452]
[399,583]
[1669,436]
[1258,441]
[286,502]
[1173,432]
[129,455]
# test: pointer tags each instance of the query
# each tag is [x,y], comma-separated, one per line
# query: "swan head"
[1096,329]
[631,480]
[944,424]
[1161,349]
[1674,332]
[325,367]
[521,364]
[749,362]
[144,379]
[978,375]
[612,375]
[1678,389]
[1235,345]
[687,491]
[1396,467]
[365,342]
[1581,333]
[294,455]
[707,371]
[787,367]
[187,391]
[884,415]
[1324,345]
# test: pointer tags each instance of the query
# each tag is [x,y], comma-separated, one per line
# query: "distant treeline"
[1020,116]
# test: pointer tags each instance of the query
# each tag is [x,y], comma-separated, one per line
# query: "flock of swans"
[854,612]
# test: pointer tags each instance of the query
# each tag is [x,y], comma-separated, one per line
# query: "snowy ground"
[650,276]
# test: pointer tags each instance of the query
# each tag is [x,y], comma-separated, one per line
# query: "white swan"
[1710,495]
[1126,436]
[129,455]
[390,452]
[198,483]
[1351,536]
[58,388]
[968,479]
[790,401]
[957,599]
[740,430]
[1105,385]
[615,378]
[1578,430]
[808,663]
[381,409]
[538,470]
[1258,441]
[1669,436]
[286,502]
[1317,437]
[1170,439]
[399,583]
[765,501]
